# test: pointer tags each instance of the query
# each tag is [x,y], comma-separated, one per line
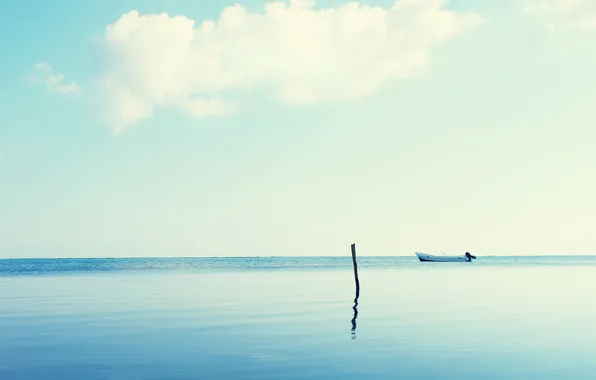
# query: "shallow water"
[292,319]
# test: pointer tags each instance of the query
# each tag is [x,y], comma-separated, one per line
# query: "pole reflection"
[355,308]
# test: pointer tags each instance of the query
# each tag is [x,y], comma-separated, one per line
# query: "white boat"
[444,258]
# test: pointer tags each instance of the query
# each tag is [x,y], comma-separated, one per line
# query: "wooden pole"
[355,307]
[355,272]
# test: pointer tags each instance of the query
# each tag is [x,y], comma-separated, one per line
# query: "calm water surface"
[496,318]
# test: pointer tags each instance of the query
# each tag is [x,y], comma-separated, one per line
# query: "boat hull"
[439,258]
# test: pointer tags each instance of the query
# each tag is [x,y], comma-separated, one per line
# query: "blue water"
[12,267]
[292,318]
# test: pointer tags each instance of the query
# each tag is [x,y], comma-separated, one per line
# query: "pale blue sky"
[489,150]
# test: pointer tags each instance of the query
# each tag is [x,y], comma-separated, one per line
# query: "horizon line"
[274,257]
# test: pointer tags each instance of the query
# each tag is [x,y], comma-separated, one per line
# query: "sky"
[190,128]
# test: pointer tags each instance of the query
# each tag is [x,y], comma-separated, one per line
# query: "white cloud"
[558,15]
[295,53]
[53,81]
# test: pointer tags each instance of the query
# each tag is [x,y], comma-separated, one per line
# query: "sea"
[497,317]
